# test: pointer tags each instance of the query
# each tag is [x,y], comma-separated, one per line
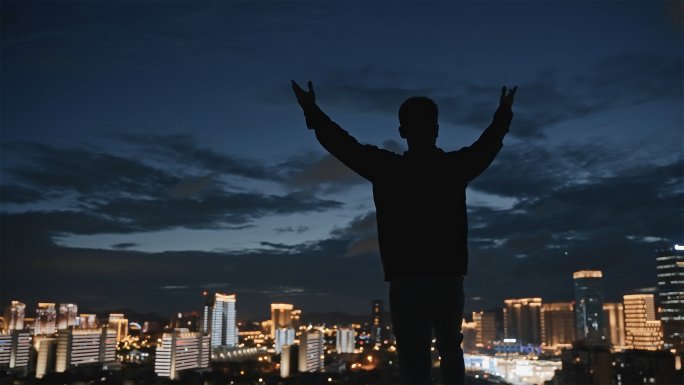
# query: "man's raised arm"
[365,160]
[480,154]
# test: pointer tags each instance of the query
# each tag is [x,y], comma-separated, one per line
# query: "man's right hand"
[507,100]
[306,100]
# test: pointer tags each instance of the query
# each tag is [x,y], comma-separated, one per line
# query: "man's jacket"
[419,198]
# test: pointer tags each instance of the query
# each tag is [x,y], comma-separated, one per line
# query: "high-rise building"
[522,320]
[345,340]
[46,319]
[296,322]
[281,317]
[181,351]
[670,265]
[77,347]
[86,321]
[284,337]
[641,327]
[218,319]
[46,349]
[614,318]
[485,326]
[14,317]
[67,315]
[311,351]
[589,306]
[376,331]
[557,324]
[14,348]
[120,324]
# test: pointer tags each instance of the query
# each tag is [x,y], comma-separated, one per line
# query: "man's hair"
[417,112]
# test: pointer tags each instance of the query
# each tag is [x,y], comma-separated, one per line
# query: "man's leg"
[412,328]
[448,320]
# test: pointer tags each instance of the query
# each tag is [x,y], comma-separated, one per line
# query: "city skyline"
[154,151]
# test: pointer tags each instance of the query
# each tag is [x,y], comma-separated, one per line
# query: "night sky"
[154,150]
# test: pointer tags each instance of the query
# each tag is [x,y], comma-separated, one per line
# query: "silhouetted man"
[422,224]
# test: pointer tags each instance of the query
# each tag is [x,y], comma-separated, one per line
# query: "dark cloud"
[124,245]
[327,175]
[290,229]
[548,98]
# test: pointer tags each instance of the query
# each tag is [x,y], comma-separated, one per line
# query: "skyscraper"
[589,306]
[345,340]
[522,320]
[67,315]
[614,318]
[84,346]
[284,337]
[120,324]
[376,328]
[219,319]
[557,323]
[14,316]
[670,265]
[311,351]
[87,321]
[485,327]
[181,351]
[641,327]
[281,317]
[46,319]
[14,348]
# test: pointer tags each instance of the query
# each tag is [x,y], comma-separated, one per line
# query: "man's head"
[418,120]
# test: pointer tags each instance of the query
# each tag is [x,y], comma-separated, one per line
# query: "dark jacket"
[419,198]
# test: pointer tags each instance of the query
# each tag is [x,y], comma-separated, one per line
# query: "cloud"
[327,175]
[290,229]
[189,188]
[124,245]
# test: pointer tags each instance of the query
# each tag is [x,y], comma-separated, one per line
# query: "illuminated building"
[614,318]
[296,314]
[557,324]
[86,321]
[486,330]
[287,359]
[345,340]
[14,349]
[283,337]
[219,319]
[181,351]
[376,331]
[187,320]
[281,317]
[14,317]
[311,352]
[120,324]
[589,306]
[67,315]
[46,319]
[522,320]
[641,327]
[670,265]
[586,363]
[45,347]
[77,347]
